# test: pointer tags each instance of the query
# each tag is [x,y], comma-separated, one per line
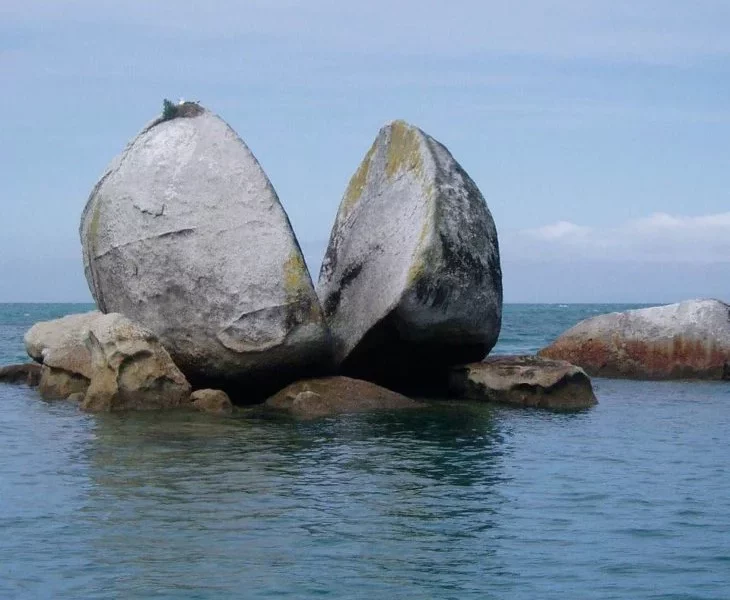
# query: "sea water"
[628,500]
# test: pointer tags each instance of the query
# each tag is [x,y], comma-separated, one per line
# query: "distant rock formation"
[106,362]
[689,340]
[314,398]
[411,281]
[185,235]
[525,381]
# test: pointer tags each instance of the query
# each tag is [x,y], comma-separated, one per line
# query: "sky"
[598,131]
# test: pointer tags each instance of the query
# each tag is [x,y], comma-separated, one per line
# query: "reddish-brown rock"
[689,340]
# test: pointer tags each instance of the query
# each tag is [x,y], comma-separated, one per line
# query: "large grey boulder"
[185,235]
[411,279]
[688,340]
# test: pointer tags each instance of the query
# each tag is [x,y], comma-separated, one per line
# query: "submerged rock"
[525,381]
[28,374]
[185,235]
[131,369]
[411,281]
[313,398]
[688,340]
[212,401]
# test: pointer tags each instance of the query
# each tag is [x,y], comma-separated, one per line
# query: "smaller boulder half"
[314,398]
[525,381]
[688,340]
[411,281]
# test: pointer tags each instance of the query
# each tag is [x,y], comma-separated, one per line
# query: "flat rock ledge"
[28,374]
[528,381]
[314,398]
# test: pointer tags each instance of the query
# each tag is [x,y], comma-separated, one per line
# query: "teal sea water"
[629,500]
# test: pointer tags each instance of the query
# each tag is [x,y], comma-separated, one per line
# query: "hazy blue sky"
[598,131]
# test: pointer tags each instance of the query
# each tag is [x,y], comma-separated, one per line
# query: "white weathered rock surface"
[412,274]
[689,340]
[130,369]
[185,235]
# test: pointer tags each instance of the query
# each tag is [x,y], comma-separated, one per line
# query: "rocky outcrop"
[212,401]
[61,343]
[28,374]
[60,346]
[185,235]
[314,398]
[111,362]
[525,381]
[689,340]
[130,369]
[411,281]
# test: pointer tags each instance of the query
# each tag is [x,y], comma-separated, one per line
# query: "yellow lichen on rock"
[94,227]
[357,184]
[404,150]
[295,276]
[423,255]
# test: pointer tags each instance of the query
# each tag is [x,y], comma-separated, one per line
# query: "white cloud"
[561,230]
[659,237]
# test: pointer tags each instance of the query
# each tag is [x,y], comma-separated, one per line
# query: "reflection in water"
[281,498]
[628,500]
